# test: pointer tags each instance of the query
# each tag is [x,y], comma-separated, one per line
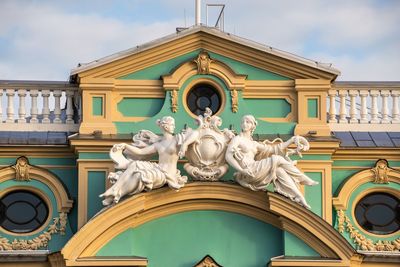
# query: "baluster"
[1,107]
[34,109]
[374,106]
[46,109]
[364,110]
[57,108]
[343,111]
[385,108]
[395,108]
[70,111]
[353,108]
[21,109]
[332,106]
[10,105]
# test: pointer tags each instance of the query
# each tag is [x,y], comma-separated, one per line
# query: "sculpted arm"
[230,157]
[141,151]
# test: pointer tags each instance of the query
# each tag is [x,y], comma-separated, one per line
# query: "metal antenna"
[220,23]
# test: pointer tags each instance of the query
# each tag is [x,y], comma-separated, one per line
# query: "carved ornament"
[235,101]
[362,242]
[21,168]
[207,154]
[57,227]
[203,62]
[174,100]
[207,261]
[381,172]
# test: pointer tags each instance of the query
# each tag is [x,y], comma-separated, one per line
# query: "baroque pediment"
[210,39]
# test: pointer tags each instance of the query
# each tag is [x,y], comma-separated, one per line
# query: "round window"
[22,211]
[202,96]
[378,213]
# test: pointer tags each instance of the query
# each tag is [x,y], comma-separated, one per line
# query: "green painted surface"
[363,163]
[183,239]
[311,157]
[338,179]
[97,105]
[140,107]
[295,247]
[312,107]
[268,108]
[313,194]
[182,118]
[96,186]
[57,241]
[97,155]
[164,68]
[253,73]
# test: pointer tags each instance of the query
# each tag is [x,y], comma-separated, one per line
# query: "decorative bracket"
[381,172]
[235,100]
[207,261]
[174,100]
[203,62]
[21,168]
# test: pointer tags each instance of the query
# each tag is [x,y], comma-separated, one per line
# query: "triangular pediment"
[197,38]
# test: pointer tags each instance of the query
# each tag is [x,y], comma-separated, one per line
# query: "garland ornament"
[362,242]
[57,227]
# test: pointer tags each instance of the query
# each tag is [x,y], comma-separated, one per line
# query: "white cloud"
[45,40]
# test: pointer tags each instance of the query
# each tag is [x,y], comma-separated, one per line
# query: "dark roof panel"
[18,138]
[365,143]
[37,138]
[361,136]
[396,142]
[394,135]
[381,139]
[346,139]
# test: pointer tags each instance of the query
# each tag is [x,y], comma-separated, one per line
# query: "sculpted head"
[167,124]
[249,123]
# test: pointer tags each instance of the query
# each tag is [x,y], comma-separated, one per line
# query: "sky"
[44,40]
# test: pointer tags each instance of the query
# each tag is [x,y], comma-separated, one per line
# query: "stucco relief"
[209,151]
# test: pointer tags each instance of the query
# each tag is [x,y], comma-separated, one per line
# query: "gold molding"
[354,154]
[325,168]
[37,192]
[84,166]
[206,81]
[64,203]
[58,226]
[202,40]
[391,191]
[364,243]
[341,202]
[267,207]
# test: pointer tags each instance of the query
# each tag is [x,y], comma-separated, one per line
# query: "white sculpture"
[206,154]
[259,164]
[139,175]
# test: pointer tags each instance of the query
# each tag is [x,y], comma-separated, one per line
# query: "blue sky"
[44,40]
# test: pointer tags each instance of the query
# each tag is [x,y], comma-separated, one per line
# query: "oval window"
[22,211]
[378,213]
[202,96]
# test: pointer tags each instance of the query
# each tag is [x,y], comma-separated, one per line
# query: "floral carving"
[57,227]
[360,240]
[207,261]
[174,101]
[235,105]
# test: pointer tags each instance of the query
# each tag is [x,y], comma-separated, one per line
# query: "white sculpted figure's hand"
[182,151]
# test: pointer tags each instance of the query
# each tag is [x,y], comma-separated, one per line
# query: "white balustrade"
[364,106]
[41,106]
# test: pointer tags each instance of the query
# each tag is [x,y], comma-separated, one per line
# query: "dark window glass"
[378,213]
[22,212]
[202,96]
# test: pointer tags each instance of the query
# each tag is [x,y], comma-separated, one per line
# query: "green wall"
[96,186]
[183,239]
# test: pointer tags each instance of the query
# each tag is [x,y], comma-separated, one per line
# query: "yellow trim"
[205,81]
[354,154]
[64,204]
[385,189]
[325,168]
[268,207]
[84,166]
[37,192]
[311,89]
[341,202]
[202,40]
